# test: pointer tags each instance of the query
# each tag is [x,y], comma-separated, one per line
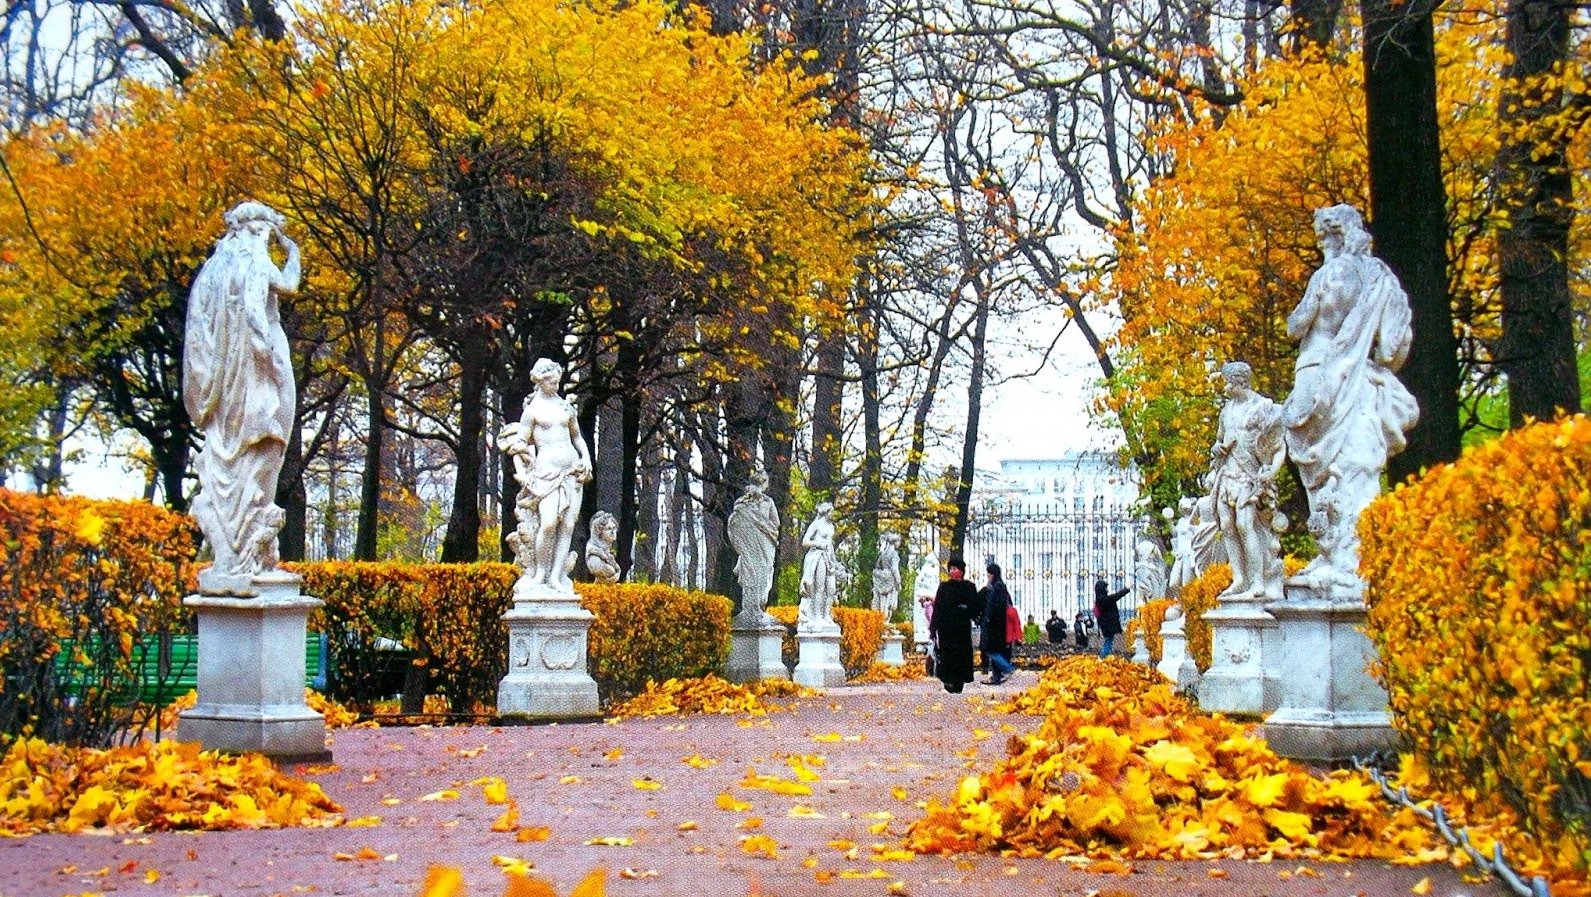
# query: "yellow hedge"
[450,615]
[1150,618]
[96,576]
[1479,589]
[1197,599]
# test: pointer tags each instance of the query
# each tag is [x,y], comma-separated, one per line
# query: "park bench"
[160,680]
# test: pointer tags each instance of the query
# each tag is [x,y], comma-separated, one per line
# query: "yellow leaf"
[611,841]
[443,881]
[646,784]
[447,794]
[533,833]
[509,819]
[593,885]
[151,876]
[727,801]
[495,791]
[753,845]
[1421,887]
[522,884]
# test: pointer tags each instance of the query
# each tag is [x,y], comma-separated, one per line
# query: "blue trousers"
[1107,644]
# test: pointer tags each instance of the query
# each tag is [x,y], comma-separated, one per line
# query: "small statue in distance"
[239,391]
[753,531]
[600,561]
[820,571]
[1247,455]
[886,575]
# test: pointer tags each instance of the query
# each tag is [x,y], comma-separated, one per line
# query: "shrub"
[450,616]
[1151,617]
[1479,594]
[861,637]
[1197,599]
[89,577]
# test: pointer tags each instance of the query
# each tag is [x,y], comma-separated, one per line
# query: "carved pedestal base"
[1140,651]
[1235,681]
[890,653]
[1176,663]
[754,651]
[251,674]
[820,658]
[547,678]
[1331,707]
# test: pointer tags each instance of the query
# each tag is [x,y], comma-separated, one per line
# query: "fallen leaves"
[708,694]
[151,786]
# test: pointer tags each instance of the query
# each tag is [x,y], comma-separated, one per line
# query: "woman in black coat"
[996,648]
[955,604]
[1107,615]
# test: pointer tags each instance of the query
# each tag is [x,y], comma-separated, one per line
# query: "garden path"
[579,781]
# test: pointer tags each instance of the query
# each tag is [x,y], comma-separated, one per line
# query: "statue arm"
[582,465]
[287,279]
[1303,317]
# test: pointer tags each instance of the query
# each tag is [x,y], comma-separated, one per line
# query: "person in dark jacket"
[1108,615]
[950,627]
[996,647]
[1055,627]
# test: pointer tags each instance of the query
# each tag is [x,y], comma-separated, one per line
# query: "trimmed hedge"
[1479,590]
[861,637]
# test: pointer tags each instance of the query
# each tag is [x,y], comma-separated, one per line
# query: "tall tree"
[1408,213]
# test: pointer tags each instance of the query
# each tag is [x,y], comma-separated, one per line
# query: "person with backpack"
[996,641]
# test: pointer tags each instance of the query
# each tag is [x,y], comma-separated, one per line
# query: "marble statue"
[886,575]
[552,465]
[1208,547]
[238,388]
[820,570]
[754,534]
[1347,413]
[1182,560]
[1247,455]
[1149,570]
[923,592]
[600,561]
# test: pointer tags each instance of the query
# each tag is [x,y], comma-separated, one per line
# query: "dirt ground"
[579,781]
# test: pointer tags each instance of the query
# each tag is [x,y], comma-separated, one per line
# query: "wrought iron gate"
[1052,555]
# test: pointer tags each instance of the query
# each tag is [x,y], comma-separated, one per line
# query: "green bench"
[160,680]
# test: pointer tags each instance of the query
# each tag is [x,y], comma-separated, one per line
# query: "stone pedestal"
[547,678]
[251,673]
[890,653]
[1331,707]
[1175,662]
[754,651]
[819,666]
[1235,681]
[1140,650]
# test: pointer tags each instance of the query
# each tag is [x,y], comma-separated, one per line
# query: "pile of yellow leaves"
[1124,768]
[708,694]
[448,881]
[879,672]
[1072,680]
[337,716]
[159,786]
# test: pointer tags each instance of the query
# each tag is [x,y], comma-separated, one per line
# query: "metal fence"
[1052,555]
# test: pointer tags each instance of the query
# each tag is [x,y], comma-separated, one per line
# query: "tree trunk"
[969,445]
[292,498]
[462,542]
[370,477]
[647,525]
[1538,348]
[630,449]
[1408,216]
[872,475]
[1314,22]
[827,393]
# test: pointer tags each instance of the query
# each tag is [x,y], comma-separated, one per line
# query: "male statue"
[1347,413]
[886,575]
[1247,455]
[238,390]
[754,534]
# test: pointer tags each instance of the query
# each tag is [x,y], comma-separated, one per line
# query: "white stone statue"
[1208,547]
[886,575]
[820,571]
[600,561]
[754,534]
[1347,413]
[1183,570]
[1247,455]
[237,384]
[1149,570]
[552,465]
[923,592]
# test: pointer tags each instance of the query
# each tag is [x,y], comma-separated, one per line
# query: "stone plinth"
[1176,663]
[754,651]
[251,674]
[1331,707]
[819,666]
[1140,651]
[890,653]
[547,678]
[1235,681]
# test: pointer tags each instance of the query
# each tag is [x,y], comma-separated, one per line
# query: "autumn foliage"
[861,636]
[81,583]
[1121,768]
[1479,587]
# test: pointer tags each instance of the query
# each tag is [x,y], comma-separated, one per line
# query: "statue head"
[251,212]
[605,526]
[1238,375]
[545,369]
[758,477]
[824,509]
[1342,228]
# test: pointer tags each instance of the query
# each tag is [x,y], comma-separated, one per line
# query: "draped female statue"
[552,465]
[238,389]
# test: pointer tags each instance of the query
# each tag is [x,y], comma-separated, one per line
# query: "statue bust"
[599,548]
[820,571]
[1347,413]
[551,465]
[753,531]
[1247,455]
[238,388]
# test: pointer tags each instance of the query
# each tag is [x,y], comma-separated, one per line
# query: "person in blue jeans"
[996,648]
[1107,615]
